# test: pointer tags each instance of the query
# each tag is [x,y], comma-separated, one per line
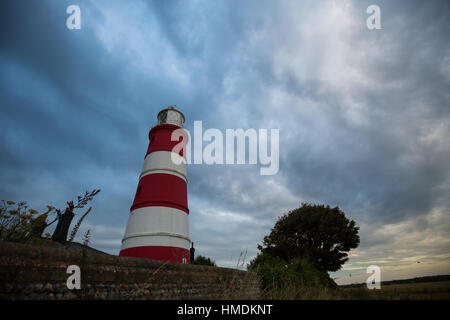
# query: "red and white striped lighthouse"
[158,224]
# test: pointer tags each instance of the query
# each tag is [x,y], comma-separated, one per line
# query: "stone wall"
[35,272]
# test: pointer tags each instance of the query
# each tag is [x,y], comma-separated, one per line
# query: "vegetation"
[204,261]
[65,219]
[275,273]
[405,291]
[303,245]
[19,223]
[320,234]
[87,237]
[308,242]
[77,226]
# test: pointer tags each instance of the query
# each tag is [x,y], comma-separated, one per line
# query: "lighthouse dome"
[171,116]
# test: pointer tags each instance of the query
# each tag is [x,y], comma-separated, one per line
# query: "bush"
[19,223]
[276,273]
[203,261]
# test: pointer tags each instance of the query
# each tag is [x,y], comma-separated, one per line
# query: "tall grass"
[410,291]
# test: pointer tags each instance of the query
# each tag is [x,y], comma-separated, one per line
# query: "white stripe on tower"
[157,226]
[164,162]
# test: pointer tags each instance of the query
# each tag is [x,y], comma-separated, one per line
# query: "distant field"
[439,290]
[406,291]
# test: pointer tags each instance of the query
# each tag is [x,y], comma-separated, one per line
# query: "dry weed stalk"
[76,227]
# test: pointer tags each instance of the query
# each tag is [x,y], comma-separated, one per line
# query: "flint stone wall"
[36,272]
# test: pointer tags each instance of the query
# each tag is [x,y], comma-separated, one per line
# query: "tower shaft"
[158,225]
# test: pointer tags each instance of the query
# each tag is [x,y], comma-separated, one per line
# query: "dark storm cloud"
[61,83]
[387,163]
[363,115]
[66,111]
[358,166]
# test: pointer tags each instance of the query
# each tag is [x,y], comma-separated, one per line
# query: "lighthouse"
[158,225]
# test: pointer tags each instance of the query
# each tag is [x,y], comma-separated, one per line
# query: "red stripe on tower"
[158,225]
[161,188]
[161,253]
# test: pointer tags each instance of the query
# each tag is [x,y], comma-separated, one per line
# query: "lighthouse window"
[138,191]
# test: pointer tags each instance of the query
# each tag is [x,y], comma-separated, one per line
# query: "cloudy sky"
[364,116]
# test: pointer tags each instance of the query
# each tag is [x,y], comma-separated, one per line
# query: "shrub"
[204,261]
[274,272]
[19,223]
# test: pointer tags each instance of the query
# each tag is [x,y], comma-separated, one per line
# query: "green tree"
[318,233]
[204,261]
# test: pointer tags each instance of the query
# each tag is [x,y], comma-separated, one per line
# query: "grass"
[405,291]
[408,291]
